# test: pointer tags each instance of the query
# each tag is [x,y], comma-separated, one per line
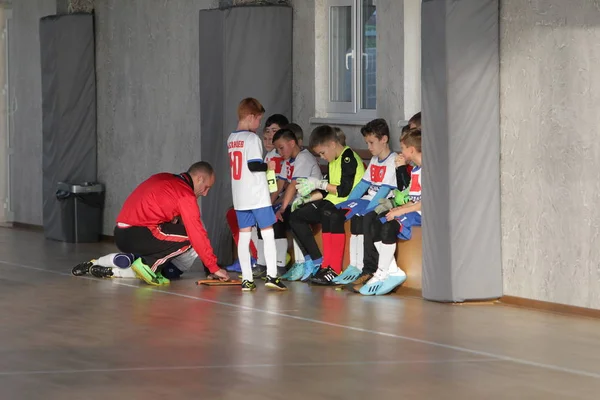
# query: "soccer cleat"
[324,276]
[310,268]
[83,268]
[294,273]
[391,282]
[275,283]
[374,284]
[143,272]
[161,279]
[235,267]
[348,276]
[358,284]
[248,286]
[101,272]
[259,271]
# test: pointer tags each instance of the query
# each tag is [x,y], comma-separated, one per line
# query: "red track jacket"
[163,197]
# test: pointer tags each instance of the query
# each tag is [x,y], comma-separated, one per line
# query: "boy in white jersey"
[250,191]
[377,183]
[298,164]
[398,223]
[273,124]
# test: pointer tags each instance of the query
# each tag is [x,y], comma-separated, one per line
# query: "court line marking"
[551,367]
[241,366]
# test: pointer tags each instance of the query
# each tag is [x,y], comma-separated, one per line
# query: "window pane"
[369,55]
[341,56]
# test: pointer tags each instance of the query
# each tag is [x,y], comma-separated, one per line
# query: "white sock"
[281,245]
[386,256]
[244,255]
[123,273]
[298,256]
[255,236]
[123,260]
[353,250]
[378,247]
[360,252]
[260,251]
[270,251]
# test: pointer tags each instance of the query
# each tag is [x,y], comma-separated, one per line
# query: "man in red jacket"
[145,224]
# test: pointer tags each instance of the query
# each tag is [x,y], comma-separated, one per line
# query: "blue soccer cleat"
[391,282]
[294,273]
[349,275]
[372,286]
[310,268]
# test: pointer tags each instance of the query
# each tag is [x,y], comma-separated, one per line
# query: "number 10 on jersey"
[235,162]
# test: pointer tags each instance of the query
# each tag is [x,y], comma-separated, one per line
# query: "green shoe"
[161,279]
[143,272]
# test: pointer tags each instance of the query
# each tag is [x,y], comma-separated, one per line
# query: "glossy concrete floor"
[63,337]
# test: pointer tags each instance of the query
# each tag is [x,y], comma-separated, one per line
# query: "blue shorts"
[406,221]
[264,217]
[353,207]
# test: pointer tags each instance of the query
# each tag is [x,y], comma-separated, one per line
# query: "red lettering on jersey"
[377,173]
[236,144]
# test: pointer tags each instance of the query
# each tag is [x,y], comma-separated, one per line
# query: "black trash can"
[81,209]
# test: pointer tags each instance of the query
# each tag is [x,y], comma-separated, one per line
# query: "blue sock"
[318,261]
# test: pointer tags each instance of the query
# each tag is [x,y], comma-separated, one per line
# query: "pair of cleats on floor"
[378,284]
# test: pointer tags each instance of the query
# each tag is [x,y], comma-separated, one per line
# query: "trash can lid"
[83,187]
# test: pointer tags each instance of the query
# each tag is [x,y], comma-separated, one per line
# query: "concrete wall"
[550,150]
[148,92]
[26,109]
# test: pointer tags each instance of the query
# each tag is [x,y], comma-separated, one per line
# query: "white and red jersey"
[414,191]
[301,166]
[250,190]
[273,155]
[380,173]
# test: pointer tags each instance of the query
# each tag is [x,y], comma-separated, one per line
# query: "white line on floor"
[234,366]
[351,328]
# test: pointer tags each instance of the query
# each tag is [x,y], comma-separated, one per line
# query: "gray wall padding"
[68,109]
[461,147]
[244,52]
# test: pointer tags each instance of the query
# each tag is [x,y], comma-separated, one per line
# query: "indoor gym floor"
[63,337]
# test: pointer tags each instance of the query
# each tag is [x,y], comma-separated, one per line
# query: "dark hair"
[297,129]
[286,134]
[378,127]
[321,135]
[412,138]
[278,119]
[416,120]
[201,167]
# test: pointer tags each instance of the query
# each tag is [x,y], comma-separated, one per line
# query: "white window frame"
[348,110]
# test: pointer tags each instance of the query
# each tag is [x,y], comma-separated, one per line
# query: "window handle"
[366,57]
[348,55]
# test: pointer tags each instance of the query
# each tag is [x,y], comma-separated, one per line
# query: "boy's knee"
[389,232]
[356,225]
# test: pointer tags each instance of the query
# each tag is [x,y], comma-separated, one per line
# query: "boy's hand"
[399,160]
[279,215]
[272,165]
[306,185]
[396,212]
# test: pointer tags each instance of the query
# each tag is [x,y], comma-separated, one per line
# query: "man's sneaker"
[357,284]
[161,279]
[349,275]
[144,272]
[101,272]
[83,268]
[275,283]
[248,286]
[325,276]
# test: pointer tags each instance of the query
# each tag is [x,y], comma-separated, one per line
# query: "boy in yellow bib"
[317,205]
